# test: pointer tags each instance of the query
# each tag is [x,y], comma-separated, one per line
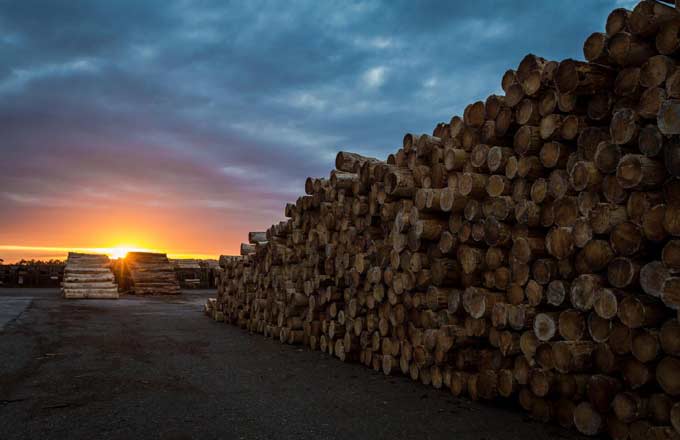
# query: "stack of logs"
[527,250]
[188,272]
[88,276]
[148,273]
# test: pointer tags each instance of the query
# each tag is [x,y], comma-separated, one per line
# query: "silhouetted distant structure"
[32,273]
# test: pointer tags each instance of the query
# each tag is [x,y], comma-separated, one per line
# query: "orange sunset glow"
[169,231]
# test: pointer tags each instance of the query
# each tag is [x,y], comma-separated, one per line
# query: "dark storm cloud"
[214,103]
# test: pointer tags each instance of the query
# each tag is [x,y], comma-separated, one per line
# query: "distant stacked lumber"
[527,250]
[188,272]
[151,274]
[88,276]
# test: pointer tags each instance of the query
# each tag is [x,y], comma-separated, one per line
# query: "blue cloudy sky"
[184,124]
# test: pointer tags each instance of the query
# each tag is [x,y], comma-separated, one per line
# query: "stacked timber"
[527,250]
[188,272]
[88,276]
[150,274]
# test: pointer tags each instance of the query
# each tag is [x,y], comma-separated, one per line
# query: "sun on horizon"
[121,251]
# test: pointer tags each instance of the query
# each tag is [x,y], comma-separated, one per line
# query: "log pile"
[88,276]
[150,273]
[526,250]
[188,272]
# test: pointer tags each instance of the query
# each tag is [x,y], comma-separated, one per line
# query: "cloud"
[374,77]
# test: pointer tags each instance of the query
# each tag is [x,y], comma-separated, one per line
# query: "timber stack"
[527,250]
[88,276]
[150,273]
[188,272]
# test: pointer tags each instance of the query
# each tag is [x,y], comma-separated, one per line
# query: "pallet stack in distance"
[527,250]
[88,276]
[150,273]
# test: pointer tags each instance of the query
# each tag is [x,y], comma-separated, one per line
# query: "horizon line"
[61,252]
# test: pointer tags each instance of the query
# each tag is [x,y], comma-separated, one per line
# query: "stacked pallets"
[88,276]
[150,274]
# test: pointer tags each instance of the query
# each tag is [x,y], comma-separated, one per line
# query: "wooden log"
[670,255]
[527,140]
[667,40]
[645,346]
[617,21]
[589,139]
[551,126]
[669,337]
[653,223]
[647,18]
[670,292]
[659,408]
[601,391]
[675,417]
[545,326]
[626,49]
[573,356]
[479,302]
[352,162]
[572,325]
[527,112]
[595,49]
[582,294]
[531,72]
[586,420]
[600,106]
[667,375]
[584,176]
[599,328]
[668,119]
[559,242]
[623,127]
[399,182]
[626,239]
[579,78]
[656,70]
[604,217]
[606,303]
[556,292]
[650,141]
[673,84]
[474,114]
[628,407]
[650,102]
[640,172]
[627,82]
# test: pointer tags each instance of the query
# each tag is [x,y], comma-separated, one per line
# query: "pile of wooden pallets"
[149,273]
[88,276]
[528,250]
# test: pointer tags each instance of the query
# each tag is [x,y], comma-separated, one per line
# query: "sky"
[181,125]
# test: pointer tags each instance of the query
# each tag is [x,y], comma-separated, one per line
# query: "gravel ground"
[157,368]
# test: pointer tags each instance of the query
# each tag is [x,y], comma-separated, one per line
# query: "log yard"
[488,246]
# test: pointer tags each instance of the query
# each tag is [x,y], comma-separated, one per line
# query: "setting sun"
[118,252]
[121,251]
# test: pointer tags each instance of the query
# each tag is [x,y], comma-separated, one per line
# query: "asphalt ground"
[158,368]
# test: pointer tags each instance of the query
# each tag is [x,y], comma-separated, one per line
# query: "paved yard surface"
[157,368]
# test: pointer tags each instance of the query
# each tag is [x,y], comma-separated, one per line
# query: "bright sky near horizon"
[181,125]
